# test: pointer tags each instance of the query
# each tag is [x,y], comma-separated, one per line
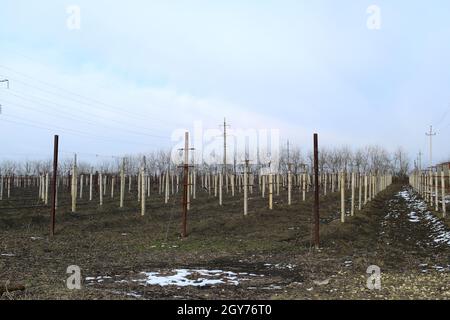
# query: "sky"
[137,73]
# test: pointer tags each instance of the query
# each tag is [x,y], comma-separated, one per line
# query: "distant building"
[443,166]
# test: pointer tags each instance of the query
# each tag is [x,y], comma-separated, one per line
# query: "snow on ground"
[280,266]
[7,254]
[439,233]
[188,277]
[184,278]
[413,217]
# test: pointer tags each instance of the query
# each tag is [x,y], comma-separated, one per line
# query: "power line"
[52,105]
[86,121]
[225,145]
[443,117]
[95,101]
[66,130]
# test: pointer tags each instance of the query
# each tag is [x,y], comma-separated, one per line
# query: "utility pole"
[431,134]
[225,145]
[420,160]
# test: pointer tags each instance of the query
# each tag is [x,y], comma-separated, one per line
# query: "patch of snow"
[438,231]
[134,295]
[413,217]
[272,287]
[7,255]
[281,266]
[182,278]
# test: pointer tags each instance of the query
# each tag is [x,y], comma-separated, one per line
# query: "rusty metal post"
[55,174]
[316,192]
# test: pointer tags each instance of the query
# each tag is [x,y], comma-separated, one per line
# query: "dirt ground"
[266,255]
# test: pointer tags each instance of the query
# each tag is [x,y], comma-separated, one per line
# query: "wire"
[95,101]
[91,154]
[52,105]
[86,121]
[442,118]
[66,130]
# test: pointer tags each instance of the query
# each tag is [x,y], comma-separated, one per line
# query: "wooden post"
[359,192]
[270,191]
[166,194]
[105,182]
[263,185]
[46,189]
[232,184]
[316,192]
[333,182]
[194,183]
[215,185]
[352,211]
[308,181]
[55,174]
[113,181]
[139,185]
[289,184]
[220,188]
[143,188]
[81,186]
[185,189]
[8,186]
[246,188]
[172,183]
[90,186]
[188,187]
[278,183]
[74,184]
[122,183]
[443,193]
[365,189]
[342,185]
[436,192]
[304,186]
[100,179]
[40,188]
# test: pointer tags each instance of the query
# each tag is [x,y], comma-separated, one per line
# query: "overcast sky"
[136,71]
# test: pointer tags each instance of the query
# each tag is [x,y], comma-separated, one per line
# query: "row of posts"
[432,185]
[268,185]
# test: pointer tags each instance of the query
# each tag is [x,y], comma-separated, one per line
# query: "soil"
[265,255]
